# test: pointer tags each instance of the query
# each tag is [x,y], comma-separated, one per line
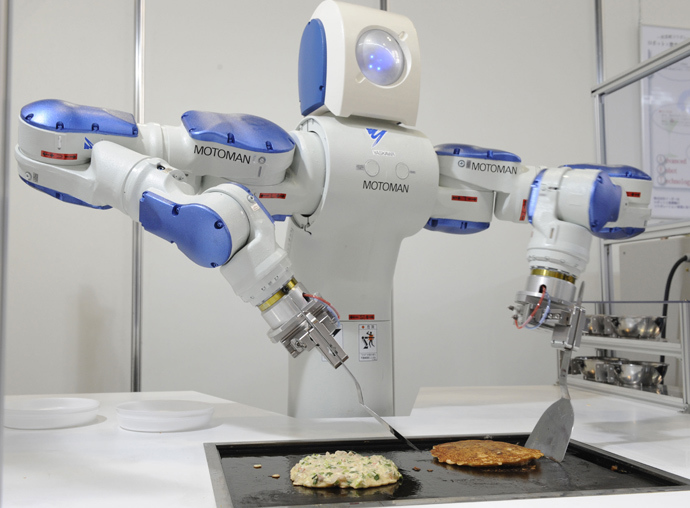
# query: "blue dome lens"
[380,57]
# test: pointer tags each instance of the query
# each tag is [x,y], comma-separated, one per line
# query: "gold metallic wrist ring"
[278,295]
[543,272]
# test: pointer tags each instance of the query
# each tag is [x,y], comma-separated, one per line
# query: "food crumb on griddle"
[275,476]
[257,466]
[416,468]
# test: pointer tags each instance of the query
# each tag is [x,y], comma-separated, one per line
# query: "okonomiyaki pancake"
[345,470]
[484,453]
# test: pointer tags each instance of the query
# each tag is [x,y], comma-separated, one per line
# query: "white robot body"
[380,187]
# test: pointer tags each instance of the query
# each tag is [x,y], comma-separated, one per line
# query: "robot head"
[358,61]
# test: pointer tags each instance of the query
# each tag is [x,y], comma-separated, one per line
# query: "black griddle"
[585,471]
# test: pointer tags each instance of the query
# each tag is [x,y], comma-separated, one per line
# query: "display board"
[666,125]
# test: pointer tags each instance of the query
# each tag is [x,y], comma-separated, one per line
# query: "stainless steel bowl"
[629,374]
[639,373]
[588,365]
[656,372]
[638,327]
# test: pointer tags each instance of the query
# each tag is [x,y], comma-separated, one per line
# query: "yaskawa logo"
[376,135]
[88,145]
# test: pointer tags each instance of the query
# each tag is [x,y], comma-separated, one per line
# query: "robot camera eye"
[380,57]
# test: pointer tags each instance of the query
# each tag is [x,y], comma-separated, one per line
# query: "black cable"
[667,291]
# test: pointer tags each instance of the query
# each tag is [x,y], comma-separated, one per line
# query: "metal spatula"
[551,434]
[375,414]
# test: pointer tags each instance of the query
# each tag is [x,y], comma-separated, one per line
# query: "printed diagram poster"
[666,125]
[368,346]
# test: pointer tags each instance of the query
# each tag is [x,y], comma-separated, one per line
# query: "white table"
[102,465]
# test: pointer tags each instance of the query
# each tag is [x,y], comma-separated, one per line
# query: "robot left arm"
[566,207]
[102,159]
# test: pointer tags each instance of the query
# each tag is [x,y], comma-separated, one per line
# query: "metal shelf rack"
[673,396]
[680,349]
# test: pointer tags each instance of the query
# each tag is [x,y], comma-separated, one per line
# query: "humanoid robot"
[354,179]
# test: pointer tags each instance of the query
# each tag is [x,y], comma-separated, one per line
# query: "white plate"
[50,412]
[164,415]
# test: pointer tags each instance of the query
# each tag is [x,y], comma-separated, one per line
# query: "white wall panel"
[68,267]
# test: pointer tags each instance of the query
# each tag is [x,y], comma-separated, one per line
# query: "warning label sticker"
[368,346]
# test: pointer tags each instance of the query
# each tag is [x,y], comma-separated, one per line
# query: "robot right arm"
[103,159]
[566,207]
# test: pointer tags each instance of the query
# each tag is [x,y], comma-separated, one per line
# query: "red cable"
[324,301]
[543,292]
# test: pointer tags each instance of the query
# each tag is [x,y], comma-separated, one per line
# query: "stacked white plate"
[164,415]
[50,412]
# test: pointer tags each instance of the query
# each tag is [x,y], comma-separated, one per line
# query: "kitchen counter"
[103,465]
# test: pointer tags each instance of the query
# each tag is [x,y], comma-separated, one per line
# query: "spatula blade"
[551,434]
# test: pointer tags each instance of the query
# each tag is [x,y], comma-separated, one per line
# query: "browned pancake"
[484,453]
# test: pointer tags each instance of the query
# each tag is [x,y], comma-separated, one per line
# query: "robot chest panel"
[378,169]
